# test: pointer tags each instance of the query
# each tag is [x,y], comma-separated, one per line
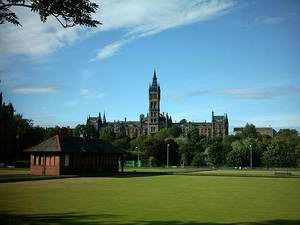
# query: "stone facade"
[269,131]
[155,120]
[218,127]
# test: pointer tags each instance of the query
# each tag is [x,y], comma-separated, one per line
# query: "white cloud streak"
[269,20]
[258,93]
[136,18]
[143,18]
[87,93]
[35,89]
[262,93]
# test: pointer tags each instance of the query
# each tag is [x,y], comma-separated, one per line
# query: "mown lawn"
[162,200]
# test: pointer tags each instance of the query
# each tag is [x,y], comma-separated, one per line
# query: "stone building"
[149,124]
[269,131]
[155,120]
[218,127]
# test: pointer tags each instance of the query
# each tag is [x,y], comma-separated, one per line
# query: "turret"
[99,121]
[1,99]
[104,118]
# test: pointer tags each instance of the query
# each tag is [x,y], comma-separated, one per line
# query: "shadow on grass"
[108,219]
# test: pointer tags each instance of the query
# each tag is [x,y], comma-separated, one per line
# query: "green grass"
[162,200]
[14,171]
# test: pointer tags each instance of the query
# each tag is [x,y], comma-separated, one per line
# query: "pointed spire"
[1,99]
[154,79]
[104,118]
[99,118]
[99,121]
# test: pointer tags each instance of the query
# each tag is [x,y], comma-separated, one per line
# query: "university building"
[155,120]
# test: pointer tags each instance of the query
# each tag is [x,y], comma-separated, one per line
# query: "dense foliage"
[184,149]
[68,13]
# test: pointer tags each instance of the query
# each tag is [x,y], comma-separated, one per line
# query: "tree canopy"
[68,13]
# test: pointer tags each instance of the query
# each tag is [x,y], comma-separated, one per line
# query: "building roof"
[75,144]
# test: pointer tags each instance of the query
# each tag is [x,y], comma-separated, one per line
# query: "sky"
[236,57]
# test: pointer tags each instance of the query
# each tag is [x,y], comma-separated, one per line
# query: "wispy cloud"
[35,89]
[269,20]
[87,93]
[144,18]
[258,93]
[110,50]
[198,93]
[137,18]
[72,103]
[262,93]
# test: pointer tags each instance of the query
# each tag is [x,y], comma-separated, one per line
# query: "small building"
[61,155]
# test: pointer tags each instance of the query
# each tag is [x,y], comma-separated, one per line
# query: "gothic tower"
[154,106]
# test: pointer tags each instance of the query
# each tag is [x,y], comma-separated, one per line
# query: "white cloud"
[34,38]
[269,19]
[84,91]
[72,103]
[35,89]
[87,93]
[263,93]
[137,18]
[110,50]
[143,18]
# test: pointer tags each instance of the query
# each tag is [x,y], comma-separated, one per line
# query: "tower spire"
[104,118]
[154,79]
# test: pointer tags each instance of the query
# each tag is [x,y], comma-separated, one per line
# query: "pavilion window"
[66,160]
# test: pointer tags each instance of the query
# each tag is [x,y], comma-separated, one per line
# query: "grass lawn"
[162,200]
[14,171]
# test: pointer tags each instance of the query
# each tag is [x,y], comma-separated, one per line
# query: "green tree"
[193,135]
[123,143]
[279,154]
[79,131]
[199,159]
[238,156]
[249,131]
[215,154]
[107,134]
[68,13]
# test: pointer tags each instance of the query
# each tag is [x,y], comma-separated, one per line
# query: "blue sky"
[239,57]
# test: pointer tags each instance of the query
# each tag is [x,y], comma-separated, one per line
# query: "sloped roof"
[75,144]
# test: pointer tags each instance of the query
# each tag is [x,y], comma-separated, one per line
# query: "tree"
[68,13]
[123,143]
[79,130]
[193,135]
[279,154]
[238,156]
[107,134]
[185,149]
[199,159]
[249,131]
[183,121]
[215,154]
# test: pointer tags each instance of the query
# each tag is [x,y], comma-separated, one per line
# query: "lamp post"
[138,155]
[250,156]
[168,145]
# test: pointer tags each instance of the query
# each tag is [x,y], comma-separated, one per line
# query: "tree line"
[191,149]
[185,148]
